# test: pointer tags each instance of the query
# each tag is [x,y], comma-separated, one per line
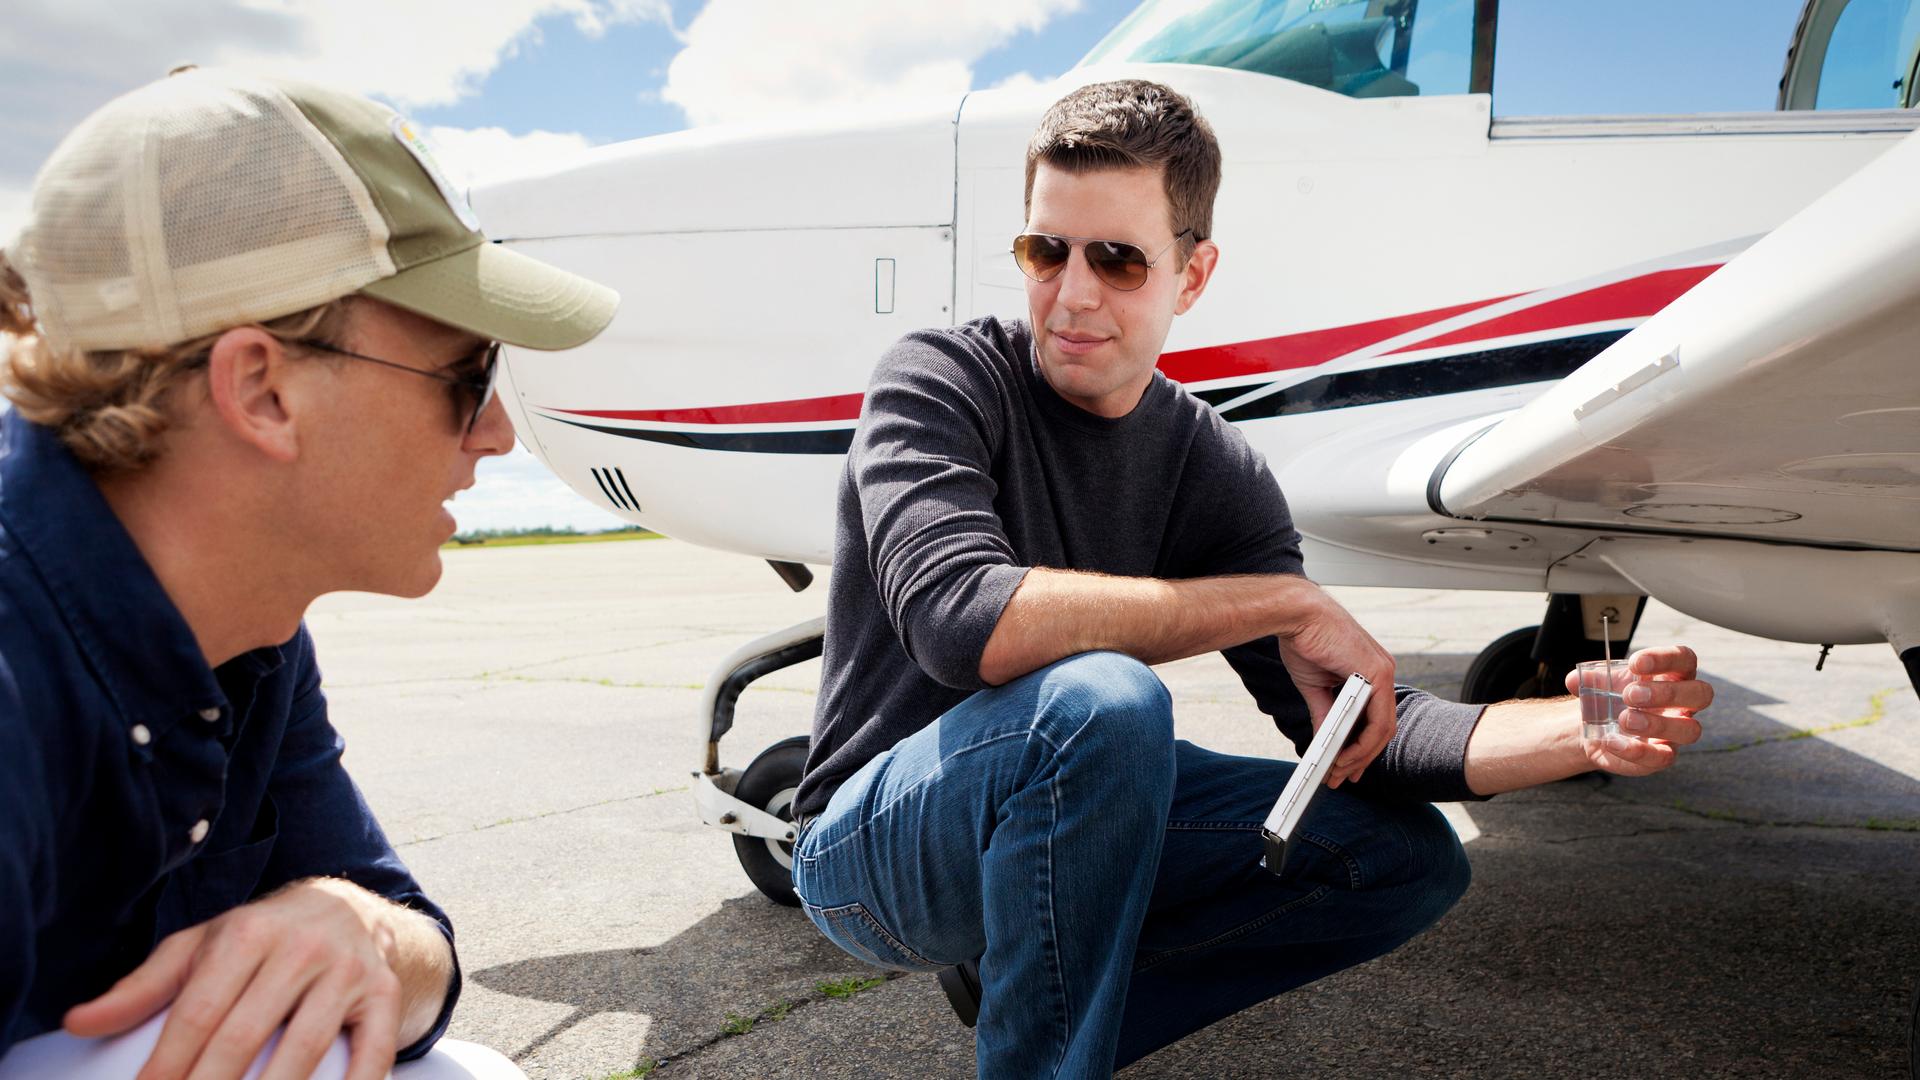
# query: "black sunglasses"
[1041,256]
[472,392]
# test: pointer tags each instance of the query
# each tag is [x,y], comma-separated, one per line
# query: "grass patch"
[526,539]
[1872,824]
[839,989]
[1876,712]
[638,1072]
[737,1024]
[1883,825]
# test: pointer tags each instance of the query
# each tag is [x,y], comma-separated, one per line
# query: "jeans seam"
[916,785]
[838,914]
[1237,932]
[1191,825]
[1064,1020]
[1353,866]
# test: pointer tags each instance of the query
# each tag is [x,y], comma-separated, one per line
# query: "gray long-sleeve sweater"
[967,469]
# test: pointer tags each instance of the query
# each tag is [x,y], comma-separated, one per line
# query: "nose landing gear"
[1533,661]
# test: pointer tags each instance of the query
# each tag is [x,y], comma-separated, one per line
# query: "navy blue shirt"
[142,792]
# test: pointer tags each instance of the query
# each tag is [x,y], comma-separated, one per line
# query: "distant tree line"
[538,532]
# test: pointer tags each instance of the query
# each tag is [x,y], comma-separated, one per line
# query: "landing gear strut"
[755,805]
[1911,659]
[1533,661]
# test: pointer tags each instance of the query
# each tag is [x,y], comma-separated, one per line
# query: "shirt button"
[198,832]
[141,736]
[209,715]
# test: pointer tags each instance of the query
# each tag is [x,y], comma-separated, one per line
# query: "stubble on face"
[1097,345]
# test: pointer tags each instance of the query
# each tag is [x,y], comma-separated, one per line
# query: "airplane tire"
[1913,1038]
[770,783]
[1505,670]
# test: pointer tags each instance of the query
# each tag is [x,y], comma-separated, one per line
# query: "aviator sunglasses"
[1041,256]
[472,392]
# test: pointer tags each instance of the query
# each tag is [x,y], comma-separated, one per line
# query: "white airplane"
[1604,358]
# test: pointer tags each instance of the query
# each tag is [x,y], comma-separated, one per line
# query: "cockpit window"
[1360,48]
[1640,57]
[1854,54]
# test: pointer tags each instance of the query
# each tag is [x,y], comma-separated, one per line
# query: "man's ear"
[1195,275]
[247,376]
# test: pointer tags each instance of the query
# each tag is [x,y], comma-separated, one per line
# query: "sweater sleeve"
[920,466]
[1426,759]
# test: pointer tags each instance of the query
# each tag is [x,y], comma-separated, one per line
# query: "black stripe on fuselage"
[1510,366]
[829,441]
[1514,365]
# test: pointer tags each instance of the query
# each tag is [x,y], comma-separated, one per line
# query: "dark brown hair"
[1133,123]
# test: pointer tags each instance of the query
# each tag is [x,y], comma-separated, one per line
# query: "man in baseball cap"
[255,332]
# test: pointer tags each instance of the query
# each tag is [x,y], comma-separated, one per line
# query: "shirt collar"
[134,638]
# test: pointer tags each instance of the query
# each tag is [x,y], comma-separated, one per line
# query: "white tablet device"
[1282,826]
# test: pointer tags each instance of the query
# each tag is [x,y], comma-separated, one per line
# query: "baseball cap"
[214,198]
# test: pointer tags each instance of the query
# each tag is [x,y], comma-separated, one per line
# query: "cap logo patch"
[416,143]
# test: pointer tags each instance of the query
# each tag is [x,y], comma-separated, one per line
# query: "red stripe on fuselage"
[838,407]
[1634,298]
[1308,349]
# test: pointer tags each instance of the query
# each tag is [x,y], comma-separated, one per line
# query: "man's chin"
[416,582]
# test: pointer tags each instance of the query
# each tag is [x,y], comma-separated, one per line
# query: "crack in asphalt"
[542,816]
[1484,835]
[765,1017]
[1722,816]
[1876,712]
[589,681]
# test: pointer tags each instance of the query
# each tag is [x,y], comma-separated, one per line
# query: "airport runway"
[526,735]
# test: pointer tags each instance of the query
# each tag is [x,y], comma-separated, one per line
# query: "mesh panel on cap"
[194,204]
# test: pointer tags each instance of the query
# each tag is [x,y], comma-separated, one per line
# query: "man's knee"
[1109,716]
[1112,700]
[1437,871]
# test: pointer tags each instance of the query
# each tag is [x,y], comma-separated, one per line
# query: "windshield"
[1360,48]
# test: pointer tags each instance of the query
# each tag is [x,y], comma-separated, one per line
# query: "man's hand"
[1660,702]
[1321,648]
[316,958]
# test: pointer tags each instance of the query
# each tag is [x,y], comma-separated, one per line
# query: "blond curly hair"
[112,407]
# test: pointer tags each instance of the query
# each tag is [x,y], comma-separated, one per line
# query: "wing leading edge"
[1779,400]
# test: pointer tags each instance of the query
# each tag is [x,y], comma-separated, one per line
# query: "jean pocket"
[856,931]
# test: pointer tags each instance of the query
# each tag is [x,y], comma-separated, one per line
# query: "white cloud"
[471,155]
[61,59]
[15,201]
[746,59]
[424,52]
[1019,80]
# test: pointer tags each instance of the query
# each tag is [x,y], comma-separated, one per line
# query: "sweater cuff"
[1427,758]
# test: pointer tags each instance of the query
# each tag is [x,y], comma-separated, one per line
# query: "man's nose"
[1080,288]
[492,432]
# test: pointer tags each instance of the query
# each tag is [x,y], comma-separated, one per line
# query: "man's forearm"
[1518,744]
[1060,613]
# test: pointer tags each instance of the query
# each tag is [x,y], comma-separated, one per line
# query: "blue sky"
[608,87]
[501,81]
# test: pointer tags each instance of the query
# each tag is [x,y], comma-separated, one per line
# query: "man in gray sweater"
[1031,514]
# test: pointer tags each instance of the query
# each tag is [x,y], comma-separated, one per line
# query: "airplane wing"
[1777,401]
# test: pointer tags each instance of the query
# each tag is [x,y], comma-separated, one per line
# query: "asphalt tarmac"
[526,735]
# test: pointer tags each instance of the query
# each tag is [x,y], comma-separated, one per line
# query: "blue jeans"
[1106,876]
